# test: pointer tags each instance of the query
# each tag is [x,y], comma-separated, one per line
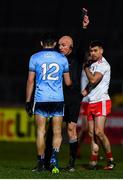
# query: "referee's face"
[65,45]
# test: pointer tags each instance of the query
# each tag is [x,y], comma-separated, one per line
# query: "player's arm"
[67,79]
[66,74]
[29,91]
[93,78]
[30,86]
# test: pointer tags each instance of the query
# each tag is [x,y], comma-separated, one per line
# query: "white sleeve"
[84,80]
[102,68]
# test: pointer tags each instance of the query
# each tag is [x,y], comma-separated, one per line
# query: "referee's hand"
[29,107]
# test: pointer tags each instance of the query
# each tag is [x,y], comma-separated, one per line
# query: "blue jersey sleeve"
[66,65]
[32,64]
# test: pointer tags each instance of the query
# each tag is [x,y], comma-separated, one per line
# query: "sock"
[109,156]
[40,159]
[73,151]
[94,157]
[55,152]
[54,155]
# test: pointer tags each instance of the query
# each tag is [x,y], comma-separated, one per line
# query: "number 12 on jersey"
[50,75]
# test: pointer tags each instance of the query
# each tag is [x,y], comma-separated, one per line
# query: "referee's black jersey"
[73,93]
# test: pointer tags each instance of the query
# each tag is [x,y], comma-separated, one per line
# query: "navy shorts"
[49,109]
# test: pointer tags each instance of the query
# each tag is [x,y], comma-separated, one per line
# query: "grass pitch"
[17,160]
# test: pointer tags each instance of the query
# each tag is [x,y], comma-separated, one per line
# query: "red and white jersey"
[84,83]
[99,92]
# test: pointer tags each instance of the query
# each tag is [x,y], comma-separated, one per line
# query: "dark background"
[23,22]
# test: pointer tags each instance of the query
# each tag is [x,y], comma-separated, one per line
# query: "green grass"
[17,160]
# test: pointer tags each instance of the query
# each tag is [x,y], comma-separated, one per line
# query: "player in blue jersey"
[46,70]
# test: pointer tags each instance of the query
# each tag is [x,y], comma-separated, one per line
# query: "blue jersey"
[49,67]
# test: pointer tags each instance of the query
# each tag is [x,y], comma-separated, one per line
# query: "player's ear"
[102,50]
[54,44]
[41,43]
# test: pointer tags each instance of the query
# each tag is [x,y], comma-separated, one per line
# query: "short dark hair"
[48,38]
[96,43]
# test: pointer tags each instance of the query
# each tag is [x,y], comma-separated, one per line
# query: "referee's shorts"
[71,112]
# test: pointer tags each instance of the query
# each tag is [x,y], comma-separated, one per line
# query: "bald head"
[65,45]
[67,40]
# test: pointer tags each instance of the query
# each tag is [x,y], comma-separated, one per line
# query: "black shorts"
[49,109]
[71,112]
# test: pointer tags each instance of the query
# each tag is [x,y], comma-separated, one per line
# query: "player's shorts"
[49,109]
[72,112]
[84,108]
[102,108]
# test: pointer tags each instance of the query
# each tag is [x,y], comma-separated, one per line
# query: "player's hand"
[87,64]
[29,107]
[84,93]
